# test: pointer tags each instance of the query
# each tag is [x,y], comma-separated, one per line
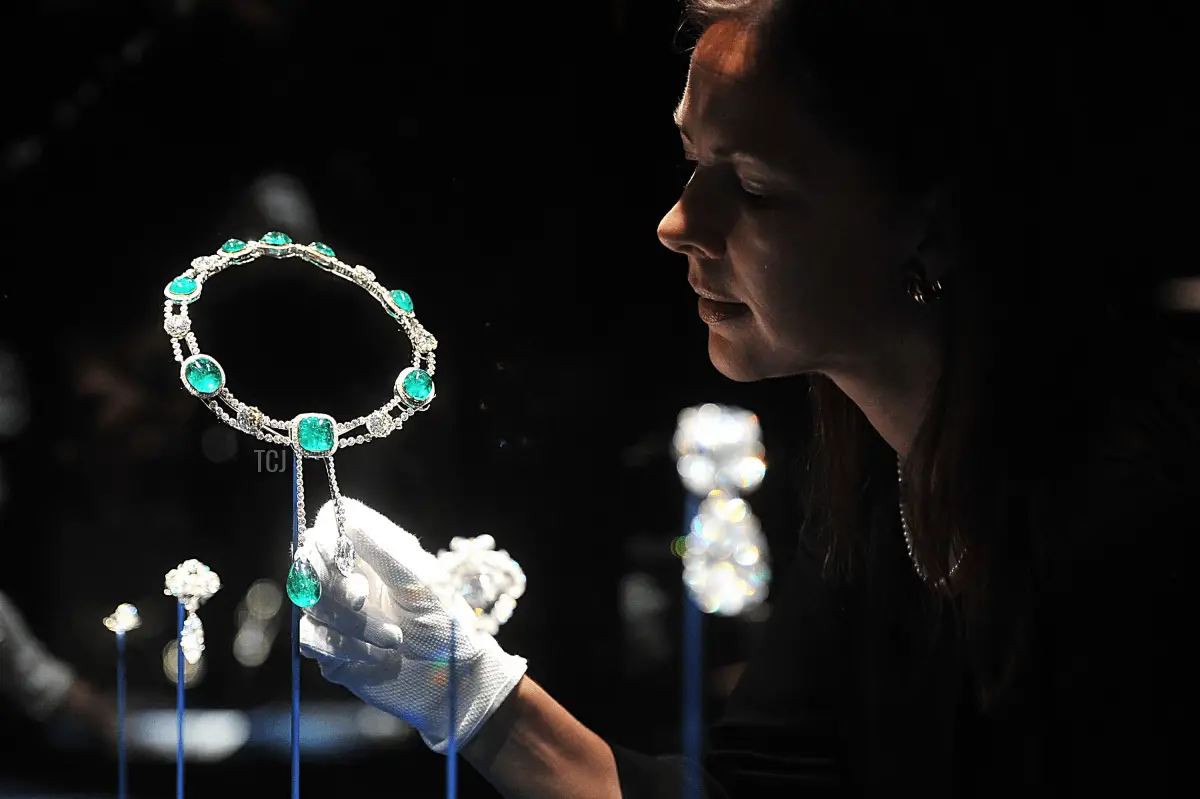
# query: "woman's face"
[797,253]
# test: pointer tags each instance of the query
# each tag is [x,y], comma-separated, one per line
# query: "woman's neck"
[893,388]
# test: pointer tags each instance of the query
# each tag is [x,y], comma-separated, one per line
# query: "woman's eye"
[752,194]
[687,168]
[756,196]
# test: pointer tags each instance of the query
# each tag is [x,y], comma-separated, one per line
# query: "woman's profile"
[919,207]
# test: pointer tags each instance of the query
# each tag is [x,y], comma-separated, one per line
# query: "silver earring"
[921,288]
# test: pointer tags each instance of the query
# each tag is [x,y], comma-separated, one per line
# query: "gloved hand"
[390,641]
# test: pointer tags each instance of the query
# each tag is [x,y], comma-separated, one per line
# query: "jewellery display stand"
[725,572]
[192,584]
[123,620]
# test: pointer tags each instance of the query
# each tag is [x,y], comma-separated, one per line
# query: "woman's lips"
[714,312]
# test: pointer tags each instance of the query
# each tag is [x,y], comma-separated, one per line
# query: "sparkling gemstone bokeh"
[490,580]
[721,457]
[719,448]
[725,559]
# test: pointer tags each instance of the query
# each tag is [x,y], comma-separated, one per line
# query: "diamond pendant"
[344,555]
[191,639]
[343,551]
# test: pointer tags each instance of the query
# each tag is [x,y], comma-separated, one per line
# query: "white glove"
[389,641]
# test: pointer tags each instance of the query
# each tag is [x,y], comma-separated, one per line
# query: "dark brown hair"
[1001,105]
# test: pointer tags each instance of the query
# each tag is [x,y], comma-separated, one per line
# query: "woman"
[892,199]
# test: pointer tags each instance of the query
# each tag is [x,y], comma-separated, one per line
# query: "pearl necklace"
[908,537]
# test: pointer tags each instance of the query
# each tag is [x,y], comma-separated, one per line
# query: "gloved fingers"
[329,647]
[353,591]
[442,636]
[336,610]
[390,551]
[361,624]
[345,610]
[406,574]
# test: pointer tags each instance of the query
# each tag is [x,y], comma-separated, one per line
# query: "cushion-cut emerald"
[204,375]
[303,585]
[182,286]
[402,300]
[276,239]
[315,434]
[417,385]
[233,245]
[323,248]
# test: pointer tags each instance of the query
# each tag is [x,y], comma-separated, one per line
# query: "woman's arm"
[532,748]
[779,735]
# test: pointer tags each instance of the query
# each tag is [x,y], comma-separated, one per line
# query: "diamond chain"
[301,522]
[908,538]
[344,554]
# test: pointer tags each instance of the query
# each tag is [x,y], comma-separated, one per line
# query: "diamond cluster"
[124,619]
[192,583]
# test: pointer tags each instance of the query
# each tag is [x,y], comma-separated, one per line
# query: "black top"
[858,690]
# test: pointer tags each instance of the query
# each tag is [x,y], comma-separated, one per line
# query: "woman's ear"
[938,250]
